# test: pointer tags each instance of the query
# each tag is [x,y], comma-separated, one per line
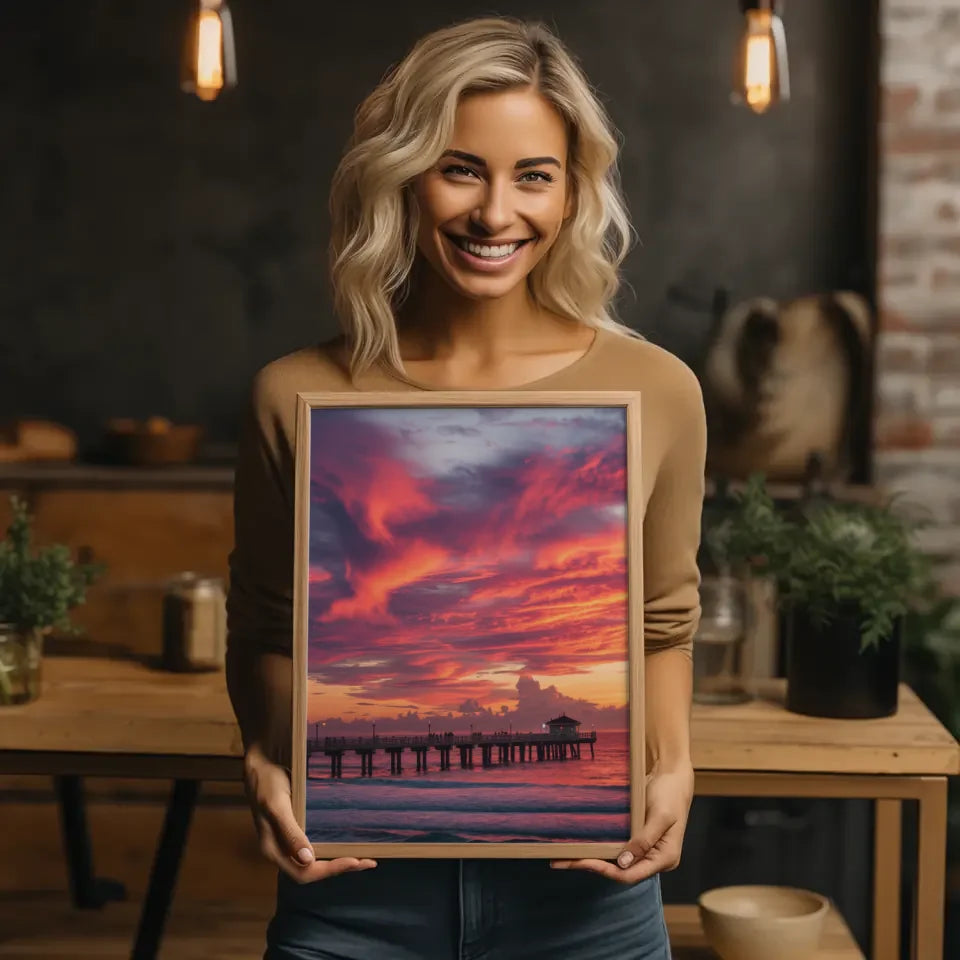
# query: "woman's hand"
[281,839]
[657,847]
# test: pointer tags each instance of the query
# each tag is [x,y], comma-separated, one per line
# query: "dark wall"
[157,250]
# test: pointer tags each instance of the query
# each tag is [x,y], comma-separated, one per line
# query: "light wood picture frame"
[468,656]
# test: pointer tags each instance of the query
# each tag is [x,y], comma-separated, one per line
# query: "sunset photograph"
[467,642]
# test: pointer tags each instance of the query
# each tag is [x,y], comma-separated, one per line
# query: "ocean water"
[536,801]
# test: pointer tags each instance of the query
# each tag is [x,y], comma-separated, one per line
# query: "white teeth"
[491,253]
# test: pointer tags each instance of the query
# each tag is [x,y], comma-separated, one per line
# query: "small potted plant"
[846,575]
[38,589]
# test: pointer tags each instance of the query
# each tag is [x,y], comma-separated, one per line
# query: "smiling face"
[495,201]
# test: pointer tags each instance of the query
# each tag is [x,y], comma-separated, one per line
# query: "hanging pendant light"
[210,59]
[761,76]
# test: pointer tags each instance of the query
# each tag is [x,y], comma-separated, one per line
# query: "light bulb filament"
[762,75]
[209,63]
[759,72]
[209,54]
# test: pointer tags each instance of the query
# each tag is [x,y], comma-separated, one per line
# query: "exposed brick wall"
[917,425]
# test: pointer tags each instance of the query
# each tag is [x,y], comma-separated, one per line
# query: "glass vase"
[719,641]
[20,659]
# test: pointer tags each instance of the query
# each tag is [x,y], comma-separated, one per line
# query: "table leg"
[929,897]
[166,863]
[887,852]
[86,891]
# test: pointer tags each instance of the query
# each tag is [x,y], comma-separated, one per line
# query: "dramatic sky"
[467,565]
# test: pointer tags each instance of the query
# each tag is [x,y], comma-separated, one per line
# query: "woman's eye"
[459,170]
[539,176]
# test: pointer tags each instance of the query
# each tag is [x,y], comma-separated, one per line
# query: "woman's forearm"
[669,692]
[260,688]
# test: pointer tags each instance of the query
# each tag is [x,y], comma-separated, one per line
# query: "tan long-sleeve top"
[673,450]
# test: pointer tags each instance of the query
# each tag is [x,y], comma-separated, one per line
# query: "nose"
[494,214]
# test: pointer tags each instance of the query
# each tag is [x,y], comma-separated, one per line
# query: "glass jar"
[194,623]
[719,641]
[20,657]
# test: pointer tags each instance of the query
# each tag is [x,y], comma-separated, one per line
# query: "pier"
[562,741]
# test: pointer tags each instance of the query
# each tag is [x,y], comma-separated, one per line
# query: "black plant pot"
[829,676]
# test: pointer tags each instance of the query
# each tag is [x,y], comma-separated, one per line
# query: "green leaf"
[39,588]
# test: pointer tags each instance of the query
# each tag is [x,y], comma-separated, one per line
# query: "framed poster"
[468,630]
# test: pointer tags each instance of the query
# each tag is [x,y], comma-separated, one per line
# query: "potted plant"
[846,575]
[38,589]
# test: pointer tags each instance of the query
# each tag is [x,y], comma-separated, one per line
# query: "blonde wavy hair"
[402,128]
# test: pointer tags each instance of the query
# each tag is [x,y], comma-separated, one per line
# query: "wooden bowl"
[153,442]
[759,922]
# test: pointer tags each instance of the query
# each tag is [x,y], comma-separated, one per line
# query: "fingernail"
[625,858]
[305,855]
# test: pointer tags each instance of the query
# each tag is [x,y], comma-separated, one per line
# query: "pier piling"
[562,745]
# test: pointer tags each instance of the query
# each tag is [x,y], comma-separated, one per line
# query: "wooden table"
[118,718]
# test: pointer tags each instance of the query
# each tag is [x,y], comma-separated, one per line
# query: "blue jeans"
[467,910]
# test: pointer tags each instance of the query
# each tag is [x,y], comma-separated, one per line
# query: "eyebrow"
[519,165]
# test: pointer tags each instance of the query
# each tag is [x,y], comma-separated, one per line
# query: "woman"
[477,233]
